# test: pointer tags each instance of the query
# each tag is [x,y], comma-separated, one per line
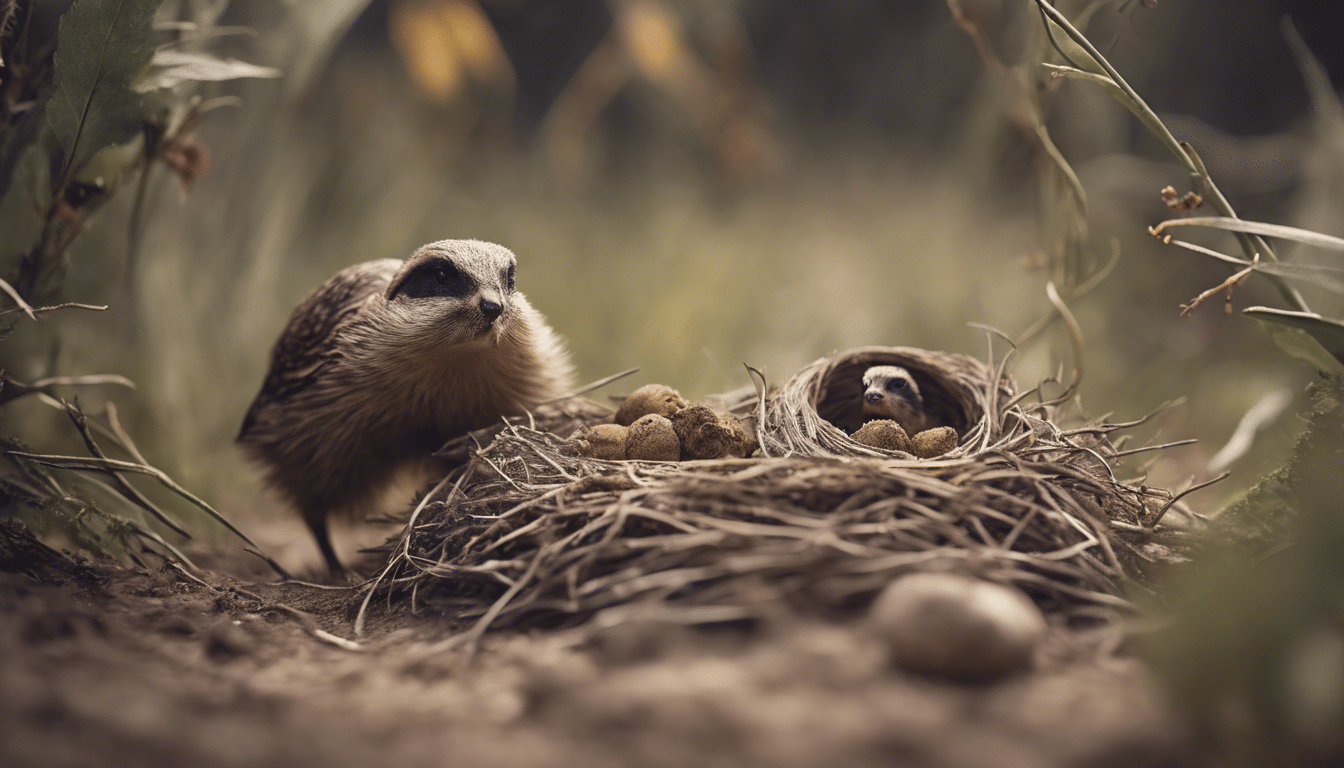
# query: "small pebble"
[227,640]
[604,441]
[883,433]
[702,434]
[957,627]
[652,438]
[934,442]
[650,398]
[744,435]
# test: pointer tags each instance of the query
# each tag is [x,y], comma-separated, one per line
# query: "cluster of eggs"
[656,424]
[890,436]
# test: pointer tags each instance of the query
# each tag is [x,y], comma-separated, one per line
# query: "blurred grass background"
[693,185]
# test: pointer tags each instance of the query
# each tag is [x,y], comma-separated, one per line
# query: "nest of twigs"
[814,413]
[530,533]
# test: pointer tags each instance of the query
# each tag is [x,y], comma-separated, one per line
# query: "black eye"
[508,279]
[436,279]
[897,384]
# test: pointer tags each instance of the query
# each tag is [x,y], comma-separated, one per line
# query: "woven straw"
[528,532]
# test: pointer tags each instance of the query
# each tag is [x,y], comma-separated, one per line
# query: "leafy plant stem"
[1182,151]
[100,465]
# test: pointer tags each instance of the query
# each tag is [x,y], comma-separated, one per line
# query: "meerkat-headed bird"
[890,392]
[386,361]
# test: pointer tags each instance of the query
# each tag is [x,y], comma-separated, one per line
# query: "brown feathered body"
[387,360]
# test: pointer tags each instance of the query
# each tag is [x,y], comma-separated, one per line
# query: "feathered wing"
[307,345]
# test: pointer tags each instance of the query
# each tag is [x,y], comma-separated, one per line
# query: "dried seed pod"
[883,433]
[702,434]
[650,398]
[957,627]
[744,435]
[604,441]
[933,442]
[652,438]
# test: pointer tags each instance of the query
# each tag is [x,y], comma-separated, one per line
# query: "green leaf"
[1304,335]
[1123,92]
[1322,276]
[1305,236]
[181,66]
[101,46]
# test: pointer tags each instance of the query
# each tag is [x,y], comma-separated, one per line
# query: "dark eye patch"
[896,384]
[434,279]
[508,278]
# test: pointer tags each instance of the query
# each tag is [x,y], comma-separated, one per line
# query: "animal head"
[455,292]
[889,389]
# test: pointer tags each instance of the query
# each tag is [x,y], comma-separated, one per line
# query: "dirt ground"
[108,666]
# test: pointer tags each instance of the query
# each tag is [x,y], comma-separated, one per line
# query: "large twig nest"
[529,532]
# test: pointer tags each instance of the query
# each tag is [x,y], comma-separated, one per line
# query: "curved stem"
[1183,152]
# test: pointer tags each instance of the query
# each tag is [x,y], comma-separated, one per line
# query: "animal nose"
[873,397]
[491,309]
